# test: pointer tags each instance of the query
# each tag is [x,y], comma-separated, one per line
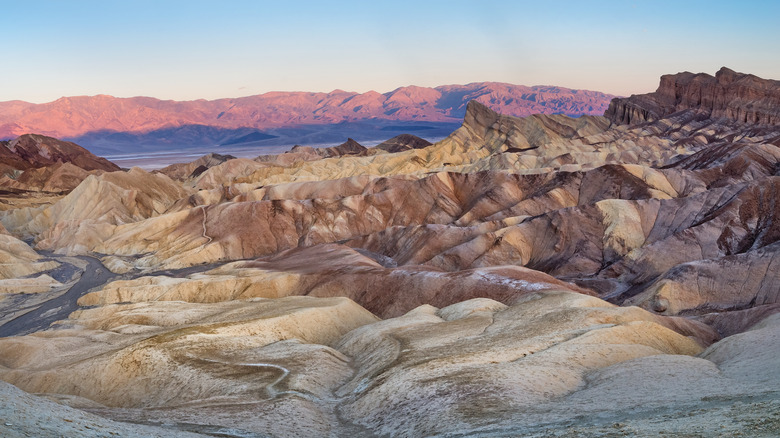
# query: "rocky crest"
[740,97]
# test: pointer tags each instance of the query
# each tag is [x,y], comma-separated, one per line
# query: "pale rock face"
[42,283]
[420,374]
[29,415]
[17,259]
[312,357]
[166,354]
[116,265]
[331,271]
[623,228]
[736,281]
[94,208]
[187,362]
[738,366]
[552,357]
[222,174]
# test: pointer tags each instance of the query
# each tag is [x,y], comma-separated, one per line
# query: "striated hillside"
[525,276]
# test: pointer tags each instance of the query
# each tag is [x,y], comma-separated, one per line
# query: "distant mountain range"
[107,124]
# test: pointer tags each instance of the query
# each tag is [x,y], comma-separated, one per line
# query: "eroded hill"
[537,276]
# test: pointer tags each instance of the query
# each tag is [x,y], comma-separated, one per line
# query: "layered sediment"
[594,274]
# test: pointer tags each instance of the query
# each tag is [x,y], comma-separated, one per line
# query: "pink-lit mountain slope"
[76,117]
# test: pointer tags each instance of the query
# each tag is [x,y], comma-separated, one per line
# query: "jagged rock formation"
[560,267]
[477,145]
[736,96]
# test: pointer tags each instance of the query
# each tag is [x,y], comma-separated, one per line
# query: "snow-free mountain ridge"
[104,123]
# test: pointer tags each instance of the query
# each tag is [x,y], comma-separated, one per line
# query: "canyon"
[542,275]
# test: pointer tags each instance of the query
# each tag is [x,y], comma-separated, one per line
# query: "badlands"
[543,276]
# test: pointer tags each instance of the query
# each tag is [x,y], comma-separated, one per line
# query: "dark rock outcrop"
[349,147]
[308,153]
[32,151]
[403,142]
[736,96]
[182,171]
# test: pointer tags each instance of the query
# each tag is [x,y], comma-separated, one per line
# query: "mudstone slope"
[535,276]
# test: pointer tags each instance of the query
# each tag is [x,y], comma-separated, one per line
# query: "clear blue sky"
[210,49]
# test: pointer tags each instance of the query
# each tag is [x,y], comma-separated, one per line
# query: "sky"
[186,50]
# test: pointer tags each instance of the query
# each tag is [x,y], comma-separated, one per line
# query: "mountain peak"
[479,115]
[726,75]
[97,120]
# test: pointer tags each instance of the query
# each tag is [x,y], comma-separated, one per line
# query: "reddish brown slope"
[39,163]
[740,97]
[32,151]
